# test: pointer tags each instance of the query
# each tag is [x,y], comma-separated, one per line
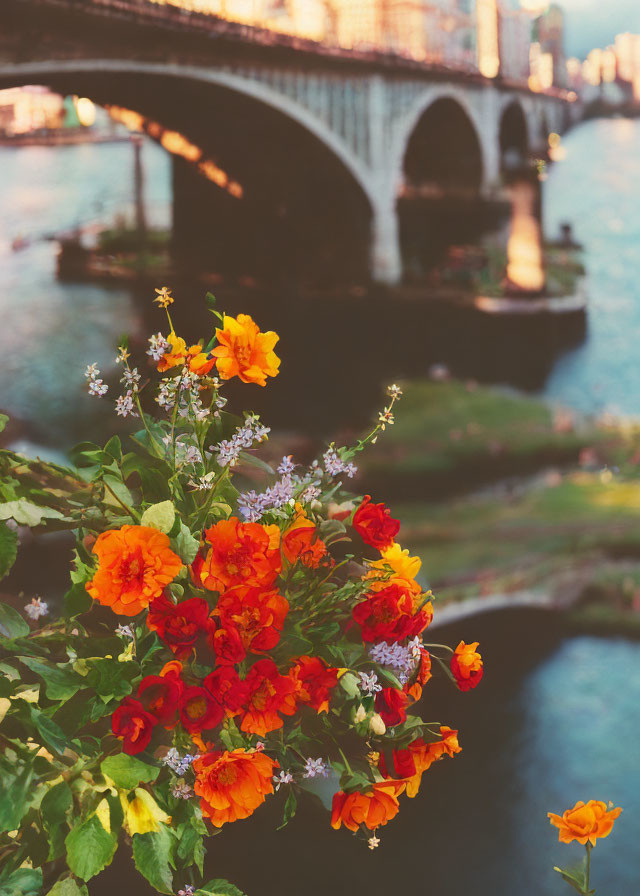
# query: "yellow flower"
[403,566]
[164,297]
[142,814]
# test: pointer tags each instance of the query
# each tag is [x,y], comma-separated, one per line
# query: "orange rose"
[373,808]
[585,822]
[232,785]
[447,745]
[238,554]
[245,352]
[466,665]
[135,563]
[301,542]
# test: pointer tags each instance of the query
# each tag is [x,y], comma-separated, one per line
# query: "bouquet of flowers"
[231,632]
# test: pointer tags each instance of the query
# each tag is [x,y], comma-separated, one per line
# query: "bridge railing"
[430,33]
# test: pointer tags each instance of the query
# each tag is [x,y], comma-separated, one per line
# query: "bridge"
[298,137]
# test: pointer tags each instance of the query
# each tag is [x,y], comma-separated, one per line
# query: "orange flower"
[302,542]
[134,564]
[199,362]
[447,745]
[245,352]
[585,822]
[176,356]
[373,808]
[410,763]
[466,665]
[232,785]
[239,554]
[257,615]
[269,694]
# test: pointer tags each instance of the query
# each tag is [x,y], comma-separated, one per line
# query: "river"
[560,724]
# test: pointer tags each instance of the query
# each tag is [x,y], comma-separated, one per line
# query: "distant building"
[549,34]
[515,41]
[24,110]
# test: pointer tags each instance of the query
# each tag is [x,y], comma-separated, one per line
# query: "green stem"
[587,875]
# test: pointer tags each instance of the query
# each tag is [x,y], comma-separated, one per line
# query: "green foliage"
[153,857]
[12,624]
[219,887]
[128,771]
[22,882]
[8,549]
[68,887]
[15,793]
[89,848]
[60,684]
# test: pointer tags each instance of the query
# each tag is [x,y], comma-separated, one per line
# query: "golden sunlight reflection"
[525,267]
[178,145]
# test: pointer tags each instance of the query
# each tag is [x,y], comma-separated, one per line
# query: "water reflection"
[53,327]
[598,189]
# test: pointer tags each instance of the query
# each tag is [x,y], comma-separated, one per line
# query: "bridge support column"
[386,259]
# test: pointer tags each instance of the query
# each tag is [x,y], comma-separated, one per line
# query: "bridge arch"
[306,190]
[513,137]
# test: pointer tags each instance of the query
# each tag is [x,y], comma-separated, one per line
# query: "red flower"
[133,724]
[392,706]
[422,677]
[238,554]
[269,693]
[160,695]
[228,645]
[313,679]
[375,525]
[179,625]
[257,615]
[225,685]
[199,711]
[466,665]
[389,613]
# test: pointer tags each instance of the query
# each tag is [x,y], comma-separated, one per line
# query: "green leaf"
[289,809]
[77,600]
[12,625]
[159,516]
[3,421]
[219,887]
[8,549]
[114,448]
[127,771]
[152,854]
[22,882]
[15,790]
[190,847]
[185,544]
[89,848]
[25,513]
[55,804]
[68,887]
[51,733]
[60,684]
[108,678]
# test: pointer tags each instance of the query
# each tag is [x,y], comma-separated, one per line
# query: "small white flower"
[373,842]
[394,391]
[315,767]
[124,405]
[97,387]
[92,371]
[360,715]
[181,790]
[131,379]
[369,683]
[282,778]
[187,890]
[36,608]
[125,631]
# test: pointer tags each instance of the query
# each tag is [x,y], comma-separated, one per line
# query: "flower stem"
[587,875]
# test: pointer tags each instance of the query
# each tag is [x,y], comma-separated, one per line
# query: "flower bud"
[376,725]
[360,715]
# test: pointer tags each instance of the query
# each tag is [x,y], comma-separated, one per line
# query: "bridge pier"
[385,255]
